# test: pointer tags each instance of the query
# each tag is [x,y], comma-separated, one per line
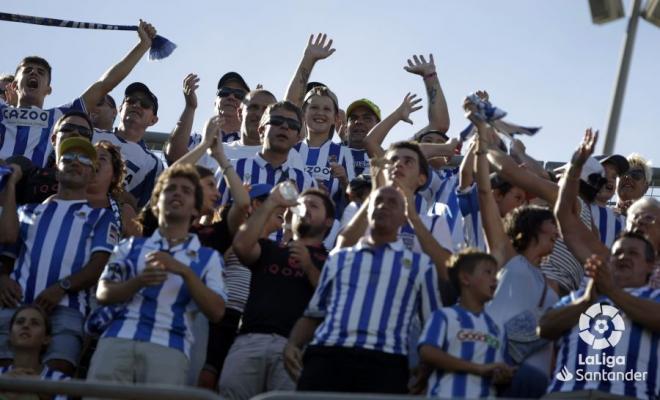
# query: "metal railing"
[78,388]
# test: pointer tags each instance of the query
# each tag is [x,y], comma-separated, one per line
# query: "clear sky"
[542,61]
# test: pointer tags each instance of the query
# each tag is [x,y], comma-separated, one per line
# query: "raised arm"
[579,239]
[431,150]
[246,241]
[466,170]
[180,136]
[437,105]
[511,172]
[317,49]
[557,321]
[119,71]
[377,134]
[498,241]
[519,153]
[211,132]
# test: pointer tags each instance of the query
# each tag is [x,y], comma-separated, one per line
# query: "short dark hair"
[649,250]
[74,113]
[327,201]
[6,78]
[203,171]
[499,184]
[280,105]
[423,162]
[522,225]
[36,60]
[466,261]
[186,171]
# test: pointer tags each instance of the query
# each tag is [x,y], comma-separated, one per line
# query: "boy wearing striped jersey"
[60,248]
[279,127]
[25,129]
[163,280]
[359,318]
[462,343]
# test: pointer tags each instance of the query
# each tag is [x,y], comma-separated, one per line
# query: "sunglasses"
[276,120]
[225,92]
[68,158]
[142,102]
[73,128]
[636,175]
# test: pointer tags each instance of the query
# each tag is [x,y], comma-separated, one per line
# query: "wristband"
[223,169]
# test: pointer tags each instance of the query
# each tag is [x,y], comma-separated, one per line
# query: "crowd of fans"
[290,251]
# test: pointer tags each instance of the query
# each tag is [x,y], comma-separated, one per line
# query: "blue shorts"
[66,335]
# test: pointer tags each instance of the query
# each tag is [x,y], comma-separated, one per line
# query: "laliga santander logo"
[602,316]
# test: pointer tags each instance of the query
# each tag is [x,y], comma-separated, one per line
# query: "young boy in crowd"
[462,343]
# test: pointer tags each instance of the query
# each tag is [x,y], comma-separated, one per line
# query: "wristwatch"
[64,284]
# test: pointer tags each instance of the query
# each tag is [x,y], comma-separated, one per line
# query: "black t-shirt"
[215,236]
[37,185]
[280,290]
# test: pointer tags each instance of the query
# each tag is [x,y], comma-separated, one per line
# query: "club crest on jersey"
[25,116]
[81,214]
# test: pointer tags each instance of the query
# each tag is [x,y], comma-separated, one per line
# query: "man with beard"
[359,319]
[618,287]
[283,279]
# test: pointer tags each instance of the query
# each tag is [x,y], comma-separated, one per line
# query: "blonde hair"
[636,160]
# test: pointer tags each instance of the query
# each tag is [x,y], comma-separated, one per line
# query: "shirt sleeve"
[118,268]
[212,276]
[106,233]
[435,331]
[78,104]
[429,292]
[318,304]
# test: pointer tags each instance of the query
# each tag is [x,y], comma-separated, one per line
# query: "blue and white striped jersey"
[56,240]
[360,162]
[257,170]
[142,165]
[637,350]
[367,297]
[468,201]
[46,374]
[608,223]
[161,314]
[474,338]
[440,187]
[26,131]
[439,228]
[317,164]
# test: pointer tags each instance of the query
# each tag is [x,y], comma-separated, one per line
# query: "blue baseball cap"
[260,189]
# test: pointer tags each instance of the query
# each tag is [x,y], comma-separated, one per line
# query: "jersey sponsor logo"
[465,335]
[25,116]
[318,172]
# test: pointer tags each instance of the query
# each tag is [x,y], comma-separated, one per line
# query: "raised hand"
[600,271]
[190,85]
[419,66]
[146,32]
[212,131]
[318,48]
[407,107]
[586,148]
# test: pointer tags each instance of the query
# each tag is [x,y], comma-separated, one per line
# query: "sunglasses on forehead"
[69,157]
[636,174]
[225,92]
[141,101]
[73,128]
[276,120]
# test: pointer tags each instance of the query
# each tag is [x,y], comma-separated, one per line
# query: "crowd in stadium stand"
[284,248]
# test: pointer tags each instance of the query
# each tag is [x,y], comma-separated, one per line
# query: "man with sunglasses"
[25,129]
[104,113]
[279,128]
[60,247]
[138,111]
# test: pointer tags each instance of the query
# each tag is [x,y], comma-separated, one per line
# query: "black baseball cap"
[233,76]
[618,161]
[142,88]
